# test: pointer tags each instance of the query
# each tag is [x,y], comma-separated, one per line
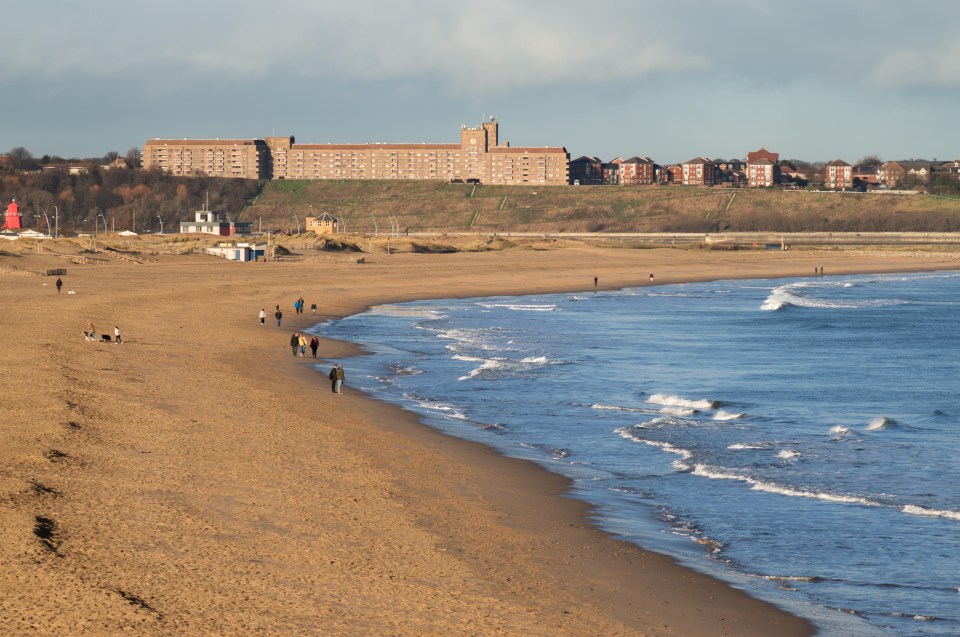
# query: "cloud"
[484,51]
[497,46]
[915,69]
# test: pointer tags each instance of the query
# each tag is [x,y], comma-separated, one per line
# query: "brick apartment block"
[838,175]
[477,157]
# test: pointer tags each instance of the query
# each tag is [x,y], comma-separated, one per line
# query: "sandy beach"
[199,480]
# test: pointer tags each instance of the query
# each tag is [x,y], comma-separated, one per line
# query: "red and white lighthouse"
[11,220]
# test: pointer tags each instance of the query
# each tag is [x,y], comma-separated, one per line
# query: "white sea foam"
[504,366]
[913,509]
[630,434]
[786,454]
[838,432]
[739,446]
[726,415]
[677,411]
[520,307]
[878,423]
[615,408]
[715,473]
[791,294]
[469,359]
[405,310]
[678,401]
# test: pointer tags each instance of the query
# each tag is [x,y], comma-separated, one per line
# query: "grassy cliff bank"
[423,206]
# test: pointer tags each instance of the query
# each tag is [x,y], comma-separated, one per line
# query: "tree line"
[101,196]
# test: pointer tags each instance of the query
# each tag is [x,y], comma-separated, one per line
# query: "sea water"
[799,438]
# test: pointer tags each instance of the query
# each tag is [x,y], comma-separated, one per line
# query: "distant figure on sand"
[263,316]
[278,315]
[313,308]
[596,279]
[59,284]
[116,334]
[314,344]
[302,342]
[295,342]
[651,277]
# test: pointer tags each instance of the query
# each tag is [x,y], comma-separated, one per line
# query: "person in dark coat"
[333,378]
[59,284]
[278,315]
[295,343]
[314,344]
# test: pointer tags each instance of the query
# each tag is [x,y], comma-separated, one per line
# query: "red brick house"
[838,175]
[636,171]
[763,168]
[698,171]
[585,170]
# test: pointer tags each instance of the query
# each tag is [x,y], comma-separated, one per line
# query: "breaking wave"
[678,401]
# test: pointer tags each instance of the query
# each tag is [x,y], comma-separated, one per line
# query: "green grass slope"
[430,206]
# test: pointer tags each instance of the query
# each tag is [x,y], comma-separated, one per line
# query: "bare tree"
[20,159]
[133,157]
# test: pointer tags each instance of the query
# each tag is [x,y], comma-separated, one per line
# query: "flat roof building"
[479,156]
[208,222]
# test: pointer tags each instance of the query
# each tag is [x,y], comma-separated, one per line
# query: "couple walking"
[336,377]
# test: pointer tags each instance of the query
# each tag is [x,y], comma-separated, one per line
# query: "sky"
[815,80]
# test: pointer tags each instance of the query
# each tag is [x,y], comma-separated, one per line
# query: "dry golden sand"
[199,480]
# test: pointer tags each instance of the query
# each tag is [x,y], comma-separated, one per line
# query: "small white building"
[239,251]
[208,222]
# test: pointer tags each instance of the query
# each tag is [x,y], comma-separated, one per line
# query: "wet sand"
[200,480]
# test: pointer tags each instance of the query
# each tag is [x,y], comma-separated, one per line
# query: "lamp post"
[56,222]
[297,221]
[104,220]
[161,223]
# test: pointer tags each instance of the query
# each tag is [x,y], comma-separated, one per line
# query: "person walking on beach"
[313,308]
[263,316]
[59,284]
[314,344]
[278,315]
[596,280]
[651,277]
[336,378]
[116,334]
[295,342]
[302,342]
[333,378]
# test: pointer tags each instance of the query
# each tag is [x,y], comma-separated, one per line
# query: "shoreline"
[587,510]
[190,485]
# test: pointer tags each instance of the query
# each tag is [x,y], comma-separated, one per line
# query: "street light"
[104,220]
[161,223]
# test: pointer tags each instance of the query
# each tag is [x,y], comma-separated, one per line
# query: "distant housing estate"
[478,157]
